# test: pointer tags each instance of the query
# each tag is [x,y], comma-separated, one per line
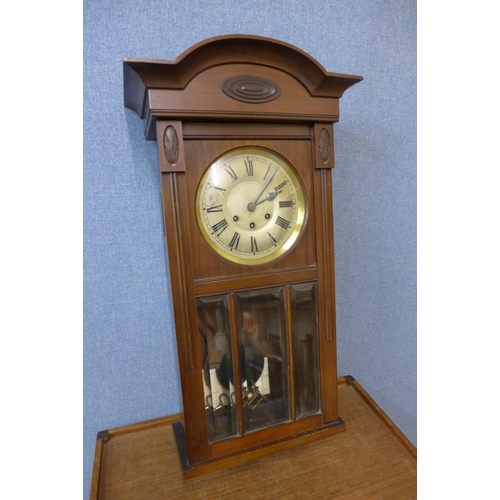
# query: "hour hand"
[269,197]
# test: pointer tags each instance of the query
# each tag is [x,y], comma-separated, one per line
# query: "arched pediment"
[234,78]
[232,49]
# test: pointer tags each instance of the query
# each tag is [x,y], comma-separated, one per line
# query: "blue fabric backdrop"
[130,363]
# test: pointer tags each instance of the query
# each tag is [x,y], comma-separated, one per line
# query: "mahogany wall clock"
[244,127]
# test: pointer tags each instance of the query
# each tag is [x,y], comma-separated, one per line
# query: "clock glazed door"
[276,358]
[256,342]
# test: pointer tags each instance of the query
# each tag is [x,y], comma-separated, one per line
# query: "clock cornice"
[143,75]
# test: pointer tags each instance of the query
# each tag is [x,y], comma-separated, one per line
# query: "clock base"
[247,455]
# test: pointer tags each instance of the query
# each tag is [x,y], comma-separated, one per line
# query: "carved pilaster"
[323,145]
[170,146]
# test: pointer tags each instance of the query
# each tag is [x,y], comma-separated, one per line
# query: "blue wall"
[130,364]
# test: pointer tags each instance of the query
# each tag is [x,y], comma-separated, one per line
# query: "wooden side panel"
[188,346]
[326,294]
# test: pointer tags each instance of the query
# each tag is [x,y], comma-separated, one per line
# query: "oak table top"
[372,459]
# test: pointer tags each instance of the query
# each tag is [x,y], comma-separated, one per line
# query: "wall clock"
[244,128]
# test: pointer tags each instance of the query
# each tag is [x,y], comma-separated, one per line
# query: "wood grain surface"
[366,462]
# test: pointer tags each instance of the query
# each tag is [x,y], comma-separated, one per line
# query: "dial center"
[252,206]
[247,206]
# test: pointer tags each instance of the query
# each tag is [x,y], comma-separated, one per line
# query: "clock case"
[221,94]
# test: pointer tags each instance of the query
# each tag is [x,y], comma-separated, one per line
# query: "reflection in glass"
[218,380]
[263,358]
[305,349]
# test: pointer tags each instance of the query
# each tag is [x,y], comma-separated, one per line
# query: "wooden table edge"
[350,381]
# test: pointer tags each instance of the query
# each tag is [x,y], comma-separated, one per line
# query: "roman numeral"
[233,244]
[217,208]
[282,222]
[249,167]
[220,227]
[253,242]
[277,188]
[271,236]
[286,204]
[231,172]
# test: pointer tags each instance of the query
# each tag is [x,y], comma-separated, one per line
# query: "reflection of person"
[211,325]
[206,329]
[254,362]
[250,328]
[216,350]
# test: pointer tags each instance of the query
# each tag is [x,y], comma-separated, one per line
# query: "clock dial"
[250,205]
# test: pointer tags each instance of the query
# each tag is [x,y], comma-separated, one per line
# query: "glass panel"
[305,349]
[218,381]
[263,358]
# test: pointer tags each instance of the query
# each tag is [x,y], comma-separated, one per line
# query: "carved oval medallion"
[325,145]
[171,145]
[253,89]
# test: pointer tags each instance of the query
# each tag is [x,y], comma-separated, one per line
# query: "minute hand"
[253,204]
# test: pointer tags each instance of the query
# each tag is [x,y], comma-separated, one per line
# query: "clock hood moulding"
[146,81]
